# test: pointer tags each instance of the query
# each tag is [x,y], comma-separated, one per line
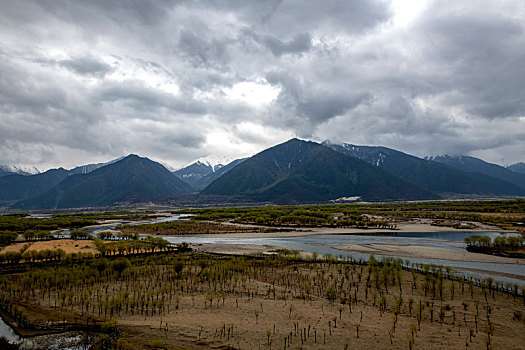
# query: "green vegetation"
[503,213]
[312,215]
[134,246]
[7,236]
[21,224]
[185,228]
[111,215]
[512,246]
[511,242]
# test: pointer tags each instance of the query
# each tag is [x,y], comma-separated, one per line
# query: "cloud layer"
[176,80]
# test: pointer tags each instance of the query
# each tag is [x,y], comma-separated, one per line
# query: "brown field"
[201,301]
[68,245]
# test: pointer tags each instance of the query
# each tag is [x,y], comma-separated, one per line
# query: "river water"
[324,244]
[8,333]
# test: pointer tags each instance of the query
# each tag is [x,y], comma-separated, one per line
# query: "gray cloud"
[87,66]
[176,80]
[300,43]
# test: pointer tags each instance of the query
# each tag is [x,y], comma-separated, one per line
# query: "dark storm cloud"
[298,44]
[294,17]
[482,57]
[84,81]
[86,66]
[201,51]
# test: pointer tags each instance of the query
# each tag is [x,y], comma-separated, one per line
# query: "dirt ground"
[229,324]
[68,245]
[253,317]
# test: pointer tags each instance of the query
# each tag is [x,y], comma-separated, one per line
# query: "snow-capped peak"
[167,166]
[20,170]
[214,161]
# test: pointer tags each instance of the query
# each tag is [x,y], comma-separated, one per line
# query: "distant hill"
[431,175]
[301,171]
[16,187]
[131,179]
[517,168]
[475,165]
[200,174]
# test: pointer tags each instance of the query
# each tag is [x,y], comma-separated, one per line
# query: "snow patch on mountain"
[215,162]
[19,169]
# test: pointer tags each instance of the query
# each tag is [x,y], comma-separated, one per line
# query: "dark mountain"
[199,175]
[5,172]
[517,168]
[131,179]
[16,187]
[193,173]
[475,165]
[433,176]
[301,171]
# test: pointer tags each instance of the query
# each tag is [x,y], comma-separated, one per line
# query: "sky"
[89,81]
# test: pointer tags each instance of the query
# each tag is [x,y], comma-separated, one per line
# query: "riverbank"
[422,226]
[425,252]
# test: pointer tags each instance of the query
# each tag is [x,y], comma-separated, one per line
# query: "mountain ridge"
[471,164]
[301,171]
[131,179]
[427,174]
[517,167]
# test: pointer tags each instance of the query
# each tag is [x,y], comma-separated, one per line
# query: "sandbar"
[424,252]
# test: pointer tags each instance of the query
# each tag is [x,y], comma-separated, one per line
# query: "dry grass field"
[202,301]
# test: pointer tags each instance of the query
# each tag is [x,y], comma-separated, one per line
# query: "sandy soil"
[68,245]
[253,320]
[242,249]
[423,252]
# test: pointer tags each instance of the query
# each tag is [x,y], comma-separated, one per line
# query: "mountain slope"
[517,168]
[301,171]
[16,187]
[132,179]
[427,174]
[87,168]
[475,165]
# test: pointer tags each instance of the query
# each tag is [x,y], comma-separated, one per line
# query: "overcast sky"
[89,81]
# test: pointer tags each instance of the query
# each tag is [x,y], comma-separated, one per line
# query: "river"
[324,244]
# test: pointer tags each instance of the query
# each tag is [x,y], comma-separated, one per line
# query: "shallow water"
[8,333]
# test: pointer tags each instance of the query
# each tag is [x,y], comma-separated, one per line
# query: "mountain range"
[131,179]
[432,175]
[296,171]
[13,169]
[517,168]
[302,171]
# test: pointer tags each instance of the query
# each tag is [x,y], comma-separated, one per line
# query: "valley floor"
[253,303]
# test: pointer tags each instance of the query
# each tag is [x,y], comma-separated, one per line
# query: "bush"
[120,265]
[157,344]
